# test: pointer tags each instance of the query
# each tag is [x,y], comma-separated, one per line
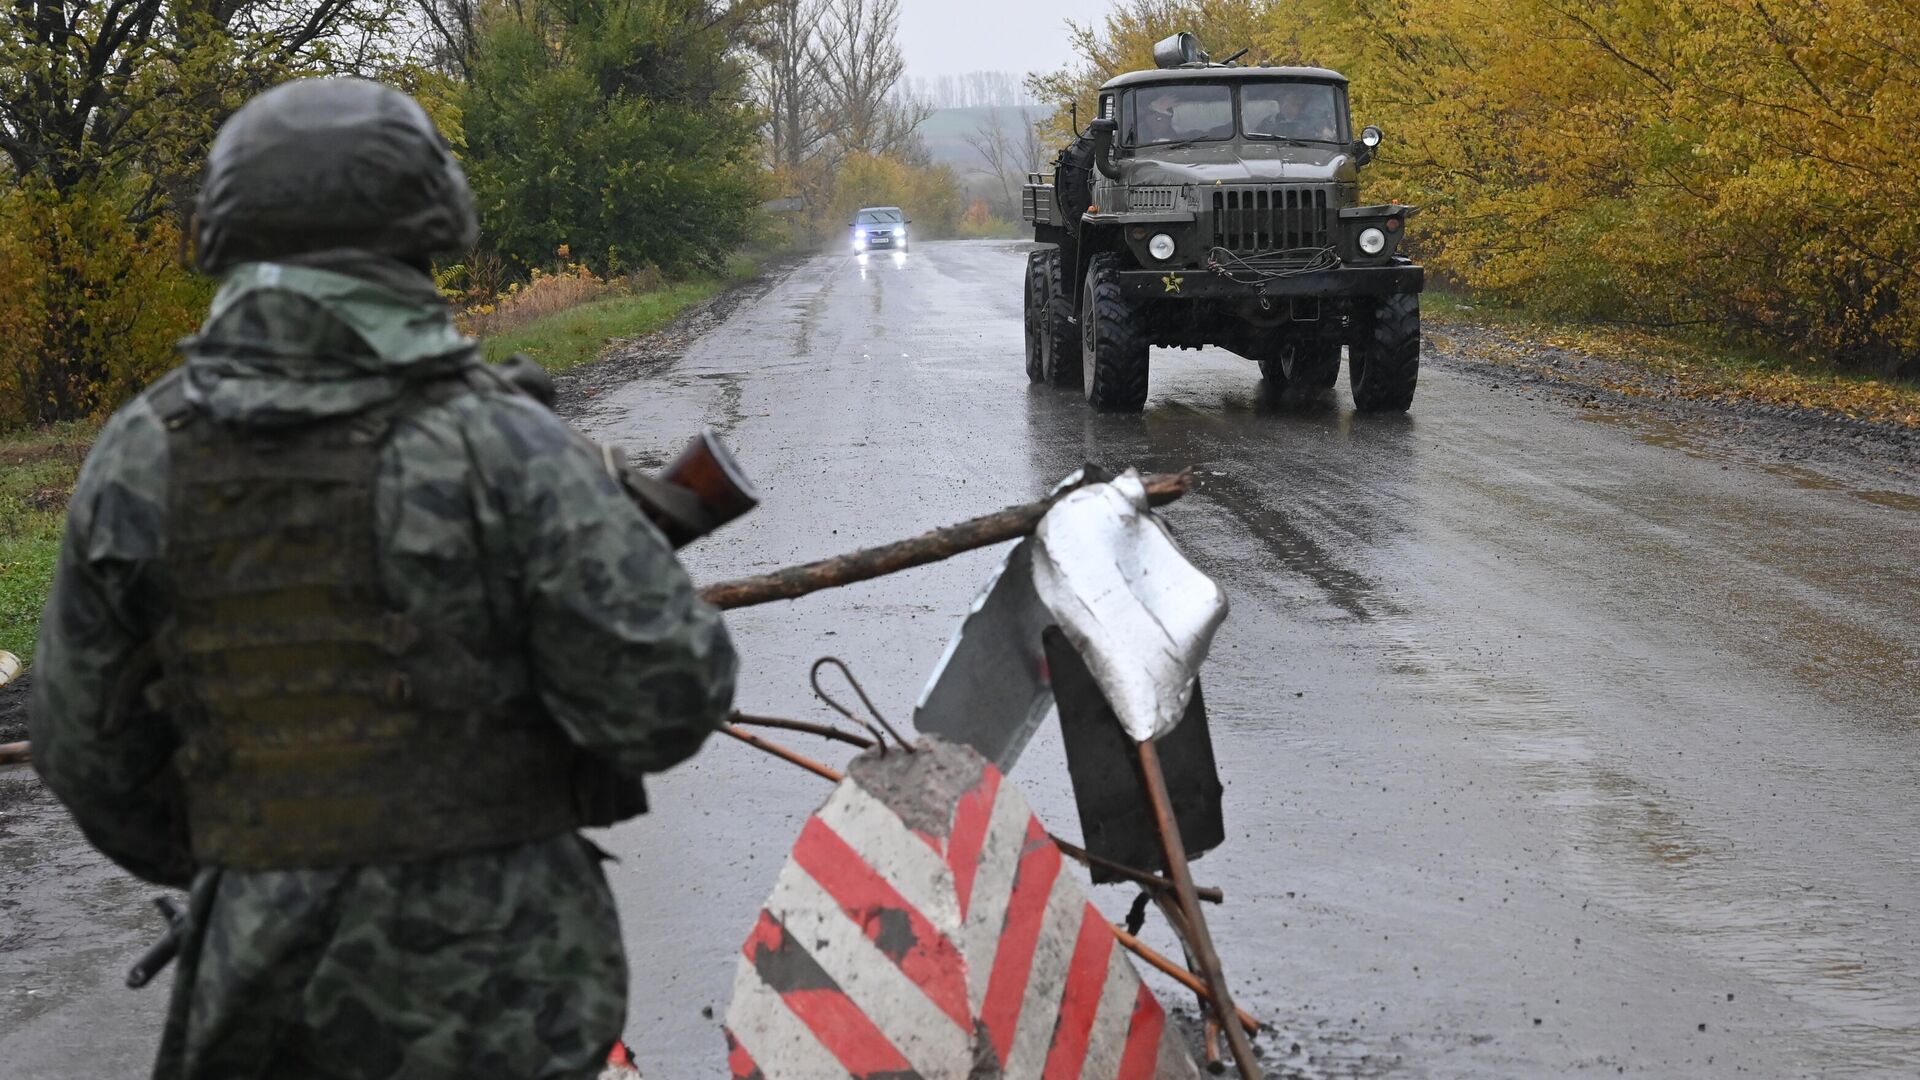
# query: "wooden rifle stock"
[698,492]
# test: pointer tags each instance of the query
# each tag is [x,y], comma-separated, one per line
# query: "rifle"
[698,492]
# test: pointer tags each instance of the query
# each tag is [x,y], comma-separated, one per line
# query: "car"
[1214,204]
[880,227]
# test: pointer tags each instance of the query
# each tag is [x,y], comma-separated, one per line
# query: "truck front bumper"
[1185,284]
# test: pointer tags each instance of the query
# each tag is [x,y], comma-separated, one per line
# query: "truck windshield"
[1179,113]
[1290,110]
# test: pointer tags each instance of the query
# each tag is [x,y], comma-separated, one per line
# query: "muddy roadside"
[1671,407]
[18,783]
[13,709]
[629,359]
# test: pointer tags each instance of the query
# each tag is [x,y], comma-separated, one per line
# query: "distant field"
[946,131]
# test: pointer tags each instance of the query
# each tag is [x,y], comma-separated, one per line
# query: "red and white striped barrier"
[924,927]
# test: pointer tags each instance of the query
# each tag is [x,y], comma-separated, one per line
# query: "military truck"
[1214,204]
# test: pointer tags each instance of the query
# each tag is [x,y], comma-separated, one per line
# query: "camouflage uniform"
[498,529]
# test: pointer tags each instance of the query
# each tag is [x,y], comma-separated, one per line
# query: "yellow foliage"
[1741,166]
[90,306]
[544,294]
[929,195]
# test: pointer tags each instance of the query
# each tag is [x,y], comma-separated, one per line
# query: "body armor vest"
[297,686]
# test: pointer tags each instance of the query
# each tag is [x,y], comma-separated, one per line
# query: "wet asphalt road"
[1555,742]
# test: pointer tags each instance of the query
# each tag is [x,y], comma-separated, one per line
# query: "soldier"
[1305,112]
[350,637]
[1156,121]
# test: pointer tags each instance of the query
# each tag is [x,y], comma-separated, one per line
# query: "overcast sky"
[947,37]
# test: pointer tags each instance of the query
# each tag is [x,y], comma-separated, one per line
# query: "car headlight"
[1372,241]
[899,230]
[859,234]
[1160,247]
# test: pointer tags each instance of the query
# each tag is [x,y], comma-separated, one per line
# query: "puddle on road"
[1636,850]
[69,920]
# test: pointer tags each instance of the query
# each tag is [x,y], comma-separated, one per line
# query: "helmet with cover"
[322,164]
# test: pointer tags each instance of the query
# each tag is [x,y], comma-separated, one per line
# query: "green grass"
[579,335]
[37,470]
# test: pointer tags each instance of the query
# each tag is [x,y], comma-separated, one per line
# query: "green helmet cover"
[321,164]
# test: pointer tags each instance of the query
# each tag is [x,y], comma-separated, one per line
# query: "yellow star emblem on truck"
[1173,282]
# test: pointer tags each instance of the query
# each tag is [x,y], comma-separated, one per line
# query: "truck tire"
[1296,370]
[1036,316]
[1113,349]
[1383,357]
[1062,356]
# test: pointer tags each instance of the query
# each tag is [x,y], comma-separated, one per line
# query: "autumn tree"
[861,67]
[1741,168]
[1123,41]
[1009,147]
[106,109]
[789,83]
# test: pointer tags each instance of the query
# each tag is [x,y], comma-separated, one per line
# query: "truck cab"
[1217,205]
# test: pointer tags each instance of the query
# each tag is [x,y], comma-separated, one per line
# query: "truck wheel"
[1383,358]
[1298,370]
[1063,337]
[1036,316]
[1113,350]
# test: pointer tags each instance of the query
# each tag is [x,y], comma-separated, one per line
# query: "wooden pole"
[929,547]
[1201,943]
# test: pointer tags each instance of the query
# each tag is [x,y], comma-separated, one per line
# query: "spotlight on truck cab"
[1178,51]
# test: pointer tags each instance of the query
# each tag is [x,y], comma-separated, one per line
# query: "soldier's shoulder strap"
[167,397]
[520,376]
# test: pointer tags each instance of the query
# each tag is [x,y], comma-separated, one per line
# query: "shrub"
[929,194]
[90,305]
[618,127]
[546,293]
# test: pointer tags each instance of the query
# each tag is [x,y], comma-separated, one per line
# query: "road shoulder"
[626,360]
[1671,403]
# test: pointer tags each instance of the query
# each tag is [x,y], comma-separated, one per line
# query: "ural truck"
[1215,204]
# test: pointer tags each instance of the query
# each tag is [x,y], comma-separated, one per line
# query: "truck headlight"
[1160,247]
[1372,241]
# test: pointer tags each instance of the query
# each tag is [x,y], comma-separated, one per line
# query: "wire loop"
[847,673]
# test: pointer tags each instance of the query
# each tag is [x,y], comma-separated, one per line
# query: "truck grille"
[1257,220]
[1152,198]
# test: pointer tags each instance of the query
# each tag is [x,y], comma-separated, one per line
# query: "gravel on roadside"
[1877,453]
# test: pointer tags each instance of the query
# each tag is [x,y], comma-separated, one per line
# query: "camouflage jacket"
[494,522]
